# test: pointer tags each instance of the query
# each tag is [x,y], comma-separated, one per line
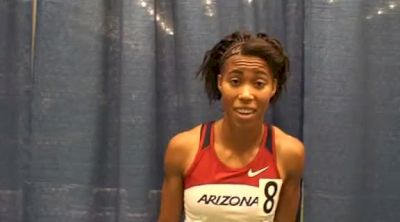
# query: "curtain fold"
[351,110]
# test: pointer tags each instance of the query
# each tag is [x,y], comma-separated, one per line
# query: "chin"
[247,122]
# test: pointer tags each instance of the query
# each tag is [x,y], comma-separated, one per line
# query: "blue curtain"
[352,110]
[91,92]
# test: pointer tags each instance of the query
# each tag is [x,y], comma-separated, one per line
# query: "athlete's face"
[246,84]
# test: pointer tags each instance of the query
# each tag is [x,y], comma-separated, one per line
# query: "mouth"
[245,111]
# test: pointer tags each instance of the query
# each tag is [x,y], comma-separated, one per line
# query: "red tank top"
[214,191]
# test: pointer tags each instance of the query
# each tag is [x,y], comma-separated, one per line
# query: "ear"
[274,86]
[219,82]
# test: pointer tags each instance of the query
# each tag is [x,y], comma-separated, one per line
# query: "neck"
[240,137]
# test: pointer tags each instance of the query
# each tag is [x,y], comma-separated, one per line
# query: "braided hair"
[260,45]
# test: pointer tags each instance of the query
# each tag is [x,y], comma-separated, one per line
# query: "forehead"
[244,62]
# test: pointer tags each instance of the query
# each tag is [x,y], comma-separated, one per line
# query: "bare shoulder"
[290,154]
[181,150]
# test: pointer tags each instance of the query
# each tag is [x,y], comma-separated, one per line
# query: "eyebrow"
[258,72]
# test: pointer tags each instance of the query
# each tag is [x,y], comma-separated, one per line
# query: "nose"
[246,94]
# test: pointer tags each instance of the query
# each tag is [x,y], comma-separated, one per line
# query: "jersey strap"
[269,142]
[205,135]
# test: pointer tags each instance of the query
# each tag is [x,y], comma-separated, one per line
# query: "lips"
[245,111]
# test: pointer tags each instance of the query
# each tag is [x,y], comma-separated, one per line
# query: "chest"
[235,160]
[232,202]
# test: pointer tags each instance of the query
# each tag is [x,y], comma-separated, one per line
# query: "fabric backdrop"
[91,91]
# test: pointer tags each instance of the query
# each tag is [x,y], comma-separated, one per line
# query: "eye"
[260,84]
[234,82]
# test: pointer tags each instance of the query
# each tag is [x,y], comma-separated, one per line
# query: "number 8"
[270,197]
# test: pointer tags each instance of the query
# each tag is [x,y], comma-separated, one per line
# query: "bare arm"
[172,188]
[291,158]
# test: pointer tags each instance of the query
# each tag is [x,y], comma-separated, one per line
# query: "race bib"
[268,195]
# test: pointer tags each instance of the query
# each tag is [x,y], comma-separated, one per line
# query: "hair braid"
[282,61]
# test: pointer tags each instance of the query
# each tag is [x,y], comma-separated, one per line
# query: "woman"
[237,168]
